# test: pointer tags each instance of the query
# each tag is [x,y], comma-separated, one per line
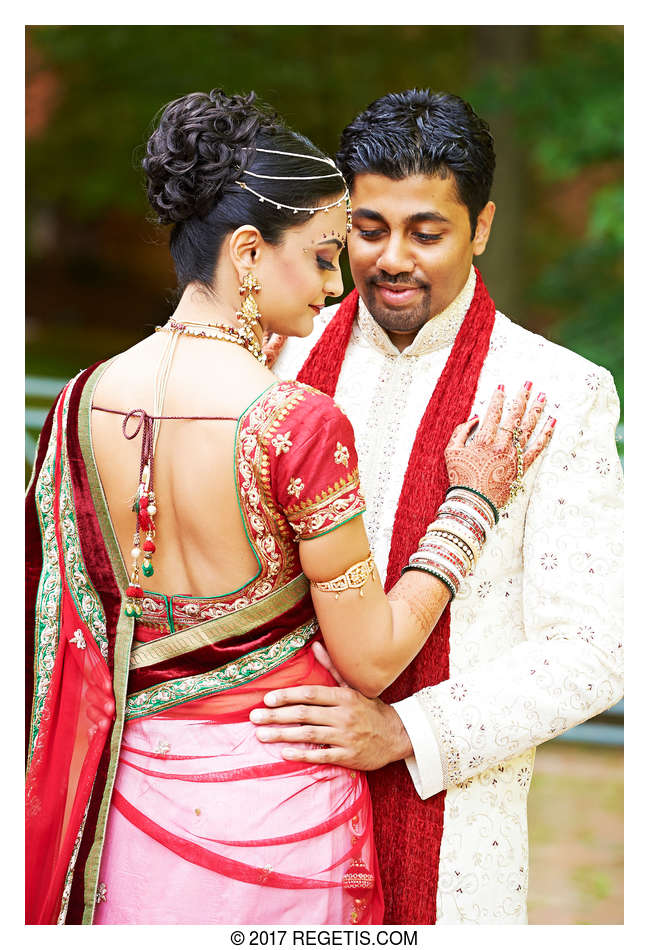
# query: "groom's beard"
[406,320]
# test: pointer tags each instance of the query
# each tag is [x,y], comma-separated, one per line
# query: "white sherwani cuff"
[425,766]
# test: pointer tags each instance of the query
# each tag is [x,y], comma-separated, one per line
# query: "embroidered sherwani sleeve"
[568,665]
[425,764]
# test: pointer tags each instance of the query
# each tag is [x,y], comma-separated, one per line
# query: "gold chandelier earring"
[248,314]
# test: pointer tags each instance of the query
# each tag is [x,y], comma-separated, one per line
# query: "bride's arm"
[373,637]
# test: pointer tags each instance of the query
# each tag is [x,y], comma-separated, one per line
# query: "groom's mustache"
[403,280]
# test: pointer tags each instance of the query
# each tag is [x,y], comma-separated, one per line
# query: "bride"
[180,468]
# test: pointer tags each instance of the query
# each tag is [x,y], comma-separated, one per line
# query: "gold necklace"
[242,336]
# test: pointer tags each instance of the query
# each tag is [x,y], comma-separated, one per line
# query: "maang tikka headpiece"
[278,204]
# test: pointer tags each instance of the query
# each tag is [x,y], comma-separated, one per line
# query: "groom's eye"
[370,235]
[427,238]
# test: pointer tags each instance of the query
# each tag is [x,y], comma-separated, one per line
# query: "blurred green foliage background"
[99,274]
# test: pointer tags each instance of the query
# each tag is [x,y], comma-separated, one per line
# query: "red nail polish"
[553,422]
[541,397]
[501,388]
[472,418]
[527,386]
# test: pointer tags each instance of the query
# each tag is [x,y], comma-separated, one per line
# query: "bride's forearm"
[416,603]
[372,639]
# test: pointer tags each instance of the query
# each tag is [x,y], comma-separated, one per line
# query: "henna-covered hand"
[271,347]
[488,463]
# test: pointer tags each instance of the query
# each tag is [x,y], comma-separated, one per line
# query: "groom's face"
[410,248]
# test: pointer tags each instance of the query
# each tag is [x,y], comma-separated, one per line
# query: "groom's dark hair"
[419,132]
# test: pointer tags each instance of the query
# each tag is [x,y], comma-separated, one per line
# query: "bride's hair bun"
[198,148]
[202,148]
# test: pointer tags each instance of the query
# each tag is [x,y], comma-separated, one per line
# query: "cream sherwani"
[536,630]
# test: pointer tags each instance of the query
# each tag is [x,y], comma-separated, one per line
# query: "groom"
[533,645]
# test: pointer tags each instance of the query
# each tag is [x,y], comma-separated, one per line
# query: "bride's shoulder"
[303,401]
[293,415]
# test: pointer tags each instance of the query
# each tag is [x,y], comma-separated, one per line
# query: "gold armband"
[354,577]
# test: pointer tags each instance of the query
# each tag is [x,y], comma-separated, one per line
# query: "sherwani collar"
[438,332]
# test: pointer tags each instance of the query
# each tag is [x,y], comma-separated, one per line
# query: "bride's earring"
[248,314]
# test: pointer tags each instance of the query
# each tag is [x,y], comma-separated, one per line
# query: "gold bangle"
[354,577]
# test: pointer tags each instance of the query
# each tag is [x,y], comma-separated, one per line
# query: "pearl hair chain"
[296,209]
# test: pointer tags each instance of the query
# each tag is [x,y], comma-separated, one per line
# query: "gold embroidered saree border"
[156,699]
[48,596]
[123,638]
[220,628]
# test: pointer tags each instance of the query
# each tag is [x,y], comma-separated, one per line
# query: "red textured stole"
[408,831]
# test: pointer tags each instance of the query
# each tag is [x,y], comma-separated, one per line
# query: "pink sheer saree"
[208,825]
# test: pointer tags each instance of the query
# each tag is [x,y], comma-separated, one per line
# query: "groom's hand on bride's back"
[347,728]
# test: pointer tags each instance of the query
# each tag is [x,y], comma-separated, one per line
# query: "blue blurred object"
[605,730]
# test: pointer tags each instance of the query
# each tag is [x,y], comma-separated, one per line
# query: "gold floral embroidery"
[341,455]
[348,483]
[329,515]
[282,442]
[295,487]
[330,508]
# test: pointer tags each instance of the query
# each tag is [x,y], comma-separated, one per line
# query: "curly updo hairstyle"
[199,150]
[419,132]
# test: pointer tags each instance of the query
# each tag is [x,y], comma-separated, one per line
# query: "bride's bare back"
[202,549]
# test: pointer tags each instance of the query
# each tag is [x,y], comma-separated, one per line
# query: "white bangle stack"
[453,542]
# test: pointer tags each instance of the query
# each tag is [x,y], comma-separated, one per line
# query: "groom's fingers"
[301,714]
[320,735]
[329,755]
[312,695]
[323,658]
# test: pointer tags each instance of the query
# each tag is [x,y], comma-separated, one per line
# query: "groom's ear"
[483,228]
[244,246]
